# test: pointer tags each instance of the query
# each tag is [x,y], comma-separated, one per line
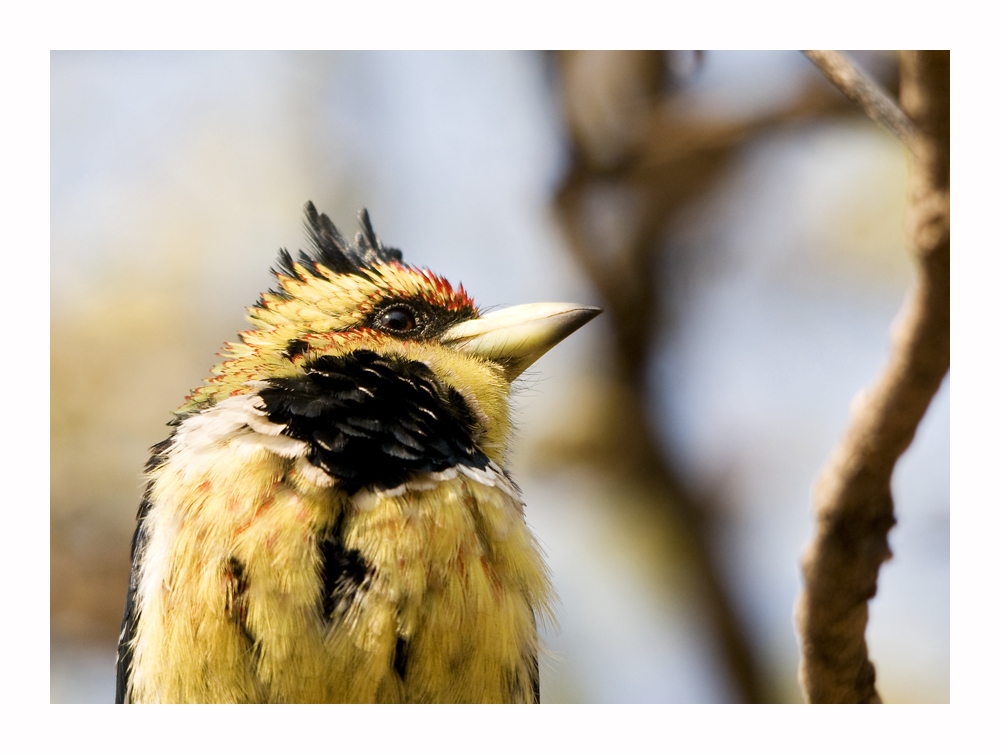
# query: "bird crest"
[334,252]
[332,291]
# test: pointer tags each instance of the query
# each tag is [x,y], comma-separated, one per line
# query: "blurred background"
[737,219]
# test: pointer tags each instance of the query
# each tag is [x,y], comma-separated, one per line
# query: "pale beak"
[516,337]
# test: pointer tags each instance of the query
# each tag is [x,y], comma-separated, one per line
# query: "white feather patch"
[286,447]
[491,476]
[313,474]
[234,425]
[162,527]
[257,419]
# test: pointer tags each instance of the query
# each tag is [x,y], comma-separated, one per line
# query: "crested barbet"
[331,518]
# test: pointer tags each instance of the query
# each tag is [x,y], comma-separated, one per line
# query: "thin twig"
[873,99]
[853,501]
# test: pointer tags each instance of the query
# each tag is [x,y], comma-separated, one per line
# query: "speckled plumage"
[330,520]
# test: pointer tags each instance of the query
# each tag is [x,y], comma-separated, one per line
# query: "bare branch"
[635,166]
[873,99]
[853,501]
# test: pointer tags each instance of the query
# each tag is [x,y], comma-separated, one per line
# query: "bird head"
[348,317]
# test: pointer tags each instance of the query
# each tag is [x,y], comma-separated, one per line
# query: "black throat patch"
[374,421]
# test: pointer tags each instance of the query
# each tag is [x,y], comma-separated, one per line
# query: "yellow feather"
[231,586]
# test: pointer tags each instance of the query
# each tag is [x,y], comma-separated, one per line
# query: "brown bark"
[853,499]
[860,89]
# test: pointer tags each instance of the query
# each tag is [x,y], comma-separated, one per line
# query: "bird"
[332,518]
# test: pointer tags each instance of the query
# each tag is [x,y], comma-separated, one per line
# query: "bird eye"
[397,319]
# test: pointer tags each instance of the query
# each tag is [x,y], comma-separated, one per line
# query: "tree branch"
[853,500]
[635,166]
[856,86]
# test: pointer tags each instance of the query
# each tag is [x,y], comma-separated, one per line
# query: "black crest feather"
[330,249]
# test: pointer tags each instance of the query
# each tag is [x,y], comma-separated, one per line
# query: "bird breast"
[295,588]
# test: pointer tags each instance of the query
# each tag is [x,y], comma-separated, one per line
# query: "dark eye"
[397,319]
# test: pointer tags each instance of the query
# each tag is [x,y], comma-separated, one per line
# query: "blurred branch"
[635,166]
[853,499]
[856,86]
